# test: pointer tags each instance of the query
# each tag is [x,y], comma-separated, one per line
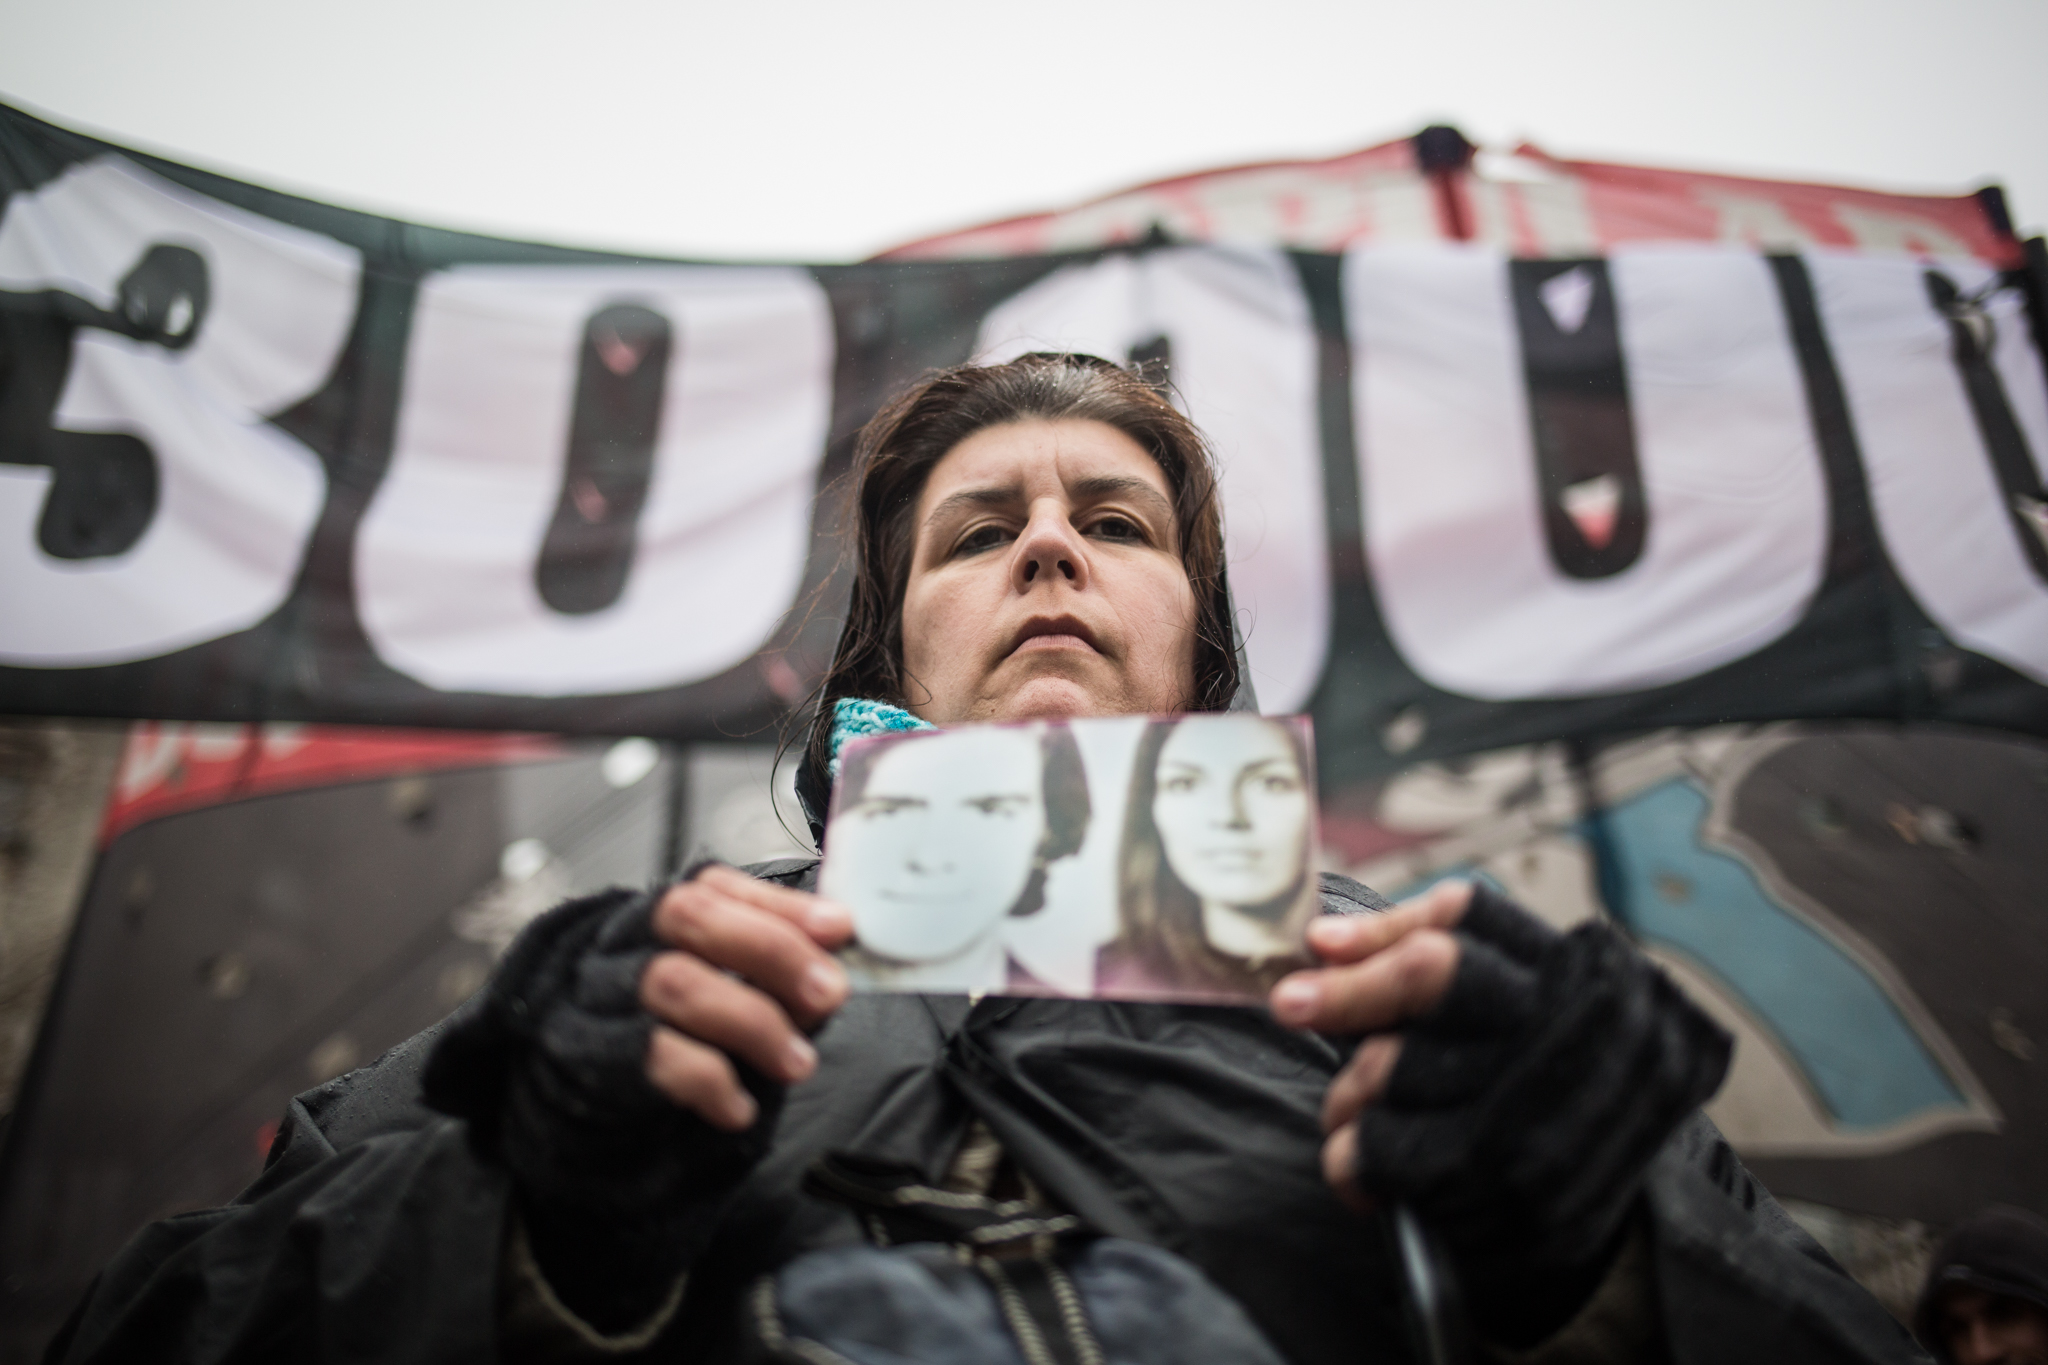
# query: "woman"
[1214,886]
[938,839]
[601,1152]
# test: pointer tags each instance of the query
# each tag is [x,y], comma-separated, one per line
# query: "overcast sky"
[817,131]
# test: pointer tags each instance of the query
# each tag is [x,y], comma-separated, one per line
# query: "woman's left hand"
[1384,970]
[1514,1085]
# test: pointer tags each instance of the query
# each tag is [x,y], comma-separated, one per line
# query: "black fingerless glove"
[1526,1106]
[619,1187]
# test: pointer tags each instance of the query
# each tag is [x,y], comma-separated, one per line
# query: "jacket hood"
[2001,1250]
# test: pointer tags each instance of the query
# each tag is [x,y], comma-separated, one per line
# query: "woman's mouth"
[1053,642]
[1053,632]
[1227,859]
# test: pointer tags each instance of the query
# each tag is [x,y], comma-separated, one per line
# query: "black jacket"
[376,1230]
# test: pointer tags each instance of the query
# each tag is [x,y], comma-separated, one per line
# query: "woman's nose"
[1050,548]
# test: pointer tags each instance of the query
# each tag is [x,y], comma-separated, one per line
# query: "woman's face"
[941,842]
[1046,580]
[1232,809]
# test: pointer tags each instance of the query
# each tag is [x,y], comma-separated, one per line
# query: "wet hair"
[896,453]
[1159,917]
[1063,796]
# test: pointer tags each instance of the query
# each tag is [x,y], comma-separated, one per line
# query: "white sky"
[819,131]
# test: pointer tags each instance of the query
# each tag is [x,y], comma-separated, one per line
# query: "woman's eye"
[1118,528]
[982,538]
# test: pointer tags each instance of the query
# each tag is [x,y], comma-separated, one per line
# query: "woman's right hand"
[748,973]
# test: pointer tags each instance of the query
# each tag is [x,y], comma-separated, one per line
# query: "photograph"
[1215,882]
[1168,858]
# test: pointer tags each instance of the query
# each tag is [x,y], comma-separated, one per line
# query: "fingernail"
[1296,999]
[823,985]
[802,1058]
[741,1111]
[1332,929]
[829,920]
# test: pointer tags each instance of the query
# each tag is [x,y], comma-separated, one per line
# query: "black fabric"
[2001,1250]
[375,1234]
[1737,1280]
[1526,1106]
[619,1187]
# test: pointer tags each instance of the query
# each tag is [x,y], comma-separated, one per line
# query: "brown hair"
[896,453]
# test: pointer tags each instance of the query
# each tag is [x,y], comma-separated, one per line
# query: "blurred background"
[1665,283]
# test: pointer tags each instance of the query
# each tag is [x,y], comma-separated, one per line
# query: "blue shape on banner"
[1863,1059]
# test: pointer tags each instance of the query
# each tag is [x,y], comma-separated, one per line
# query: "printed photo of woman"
[1215,886]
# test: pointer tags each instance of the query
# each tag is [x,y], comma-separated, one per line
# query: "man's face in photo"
[941,842]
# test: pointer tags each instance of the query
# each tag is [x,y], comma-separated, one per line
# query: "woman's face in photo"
[941,842]
[1231,805]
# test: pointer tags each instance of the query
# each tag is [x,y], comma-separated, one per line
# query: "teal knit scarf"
[857,718]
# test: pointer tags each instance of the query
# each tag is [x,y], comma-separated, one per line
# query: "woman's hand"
[748,974]
[1515,1085]
[626,1063]
[1385,970]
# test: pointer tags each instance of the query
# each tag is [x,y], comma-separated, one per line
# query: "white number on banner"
[1966,535]
[1234,329]
[498,455]
[1736,507]
[155,508]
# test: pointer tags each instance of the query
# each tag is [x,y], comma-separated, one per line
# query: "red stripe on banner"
[1528,204]
[1284,201]
[1642,204]
[172,766]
